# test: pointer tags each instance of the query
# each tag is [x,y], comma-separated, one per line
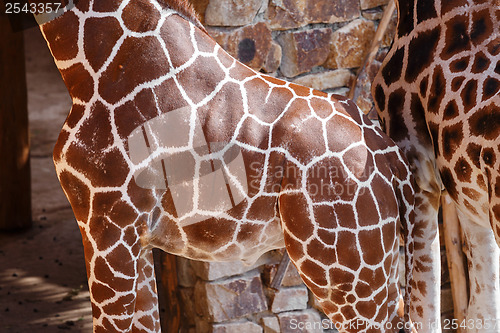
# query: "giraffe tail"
[405,194]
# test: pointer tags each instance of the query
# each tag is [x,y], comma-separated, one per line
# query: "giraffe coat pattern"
[437,95]
[321,179]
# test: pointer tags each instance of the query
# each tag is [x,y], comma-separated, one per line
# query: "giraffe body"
[437,94]
[288,166]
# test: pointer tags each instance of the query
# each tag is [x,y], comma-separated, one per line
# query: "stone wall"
[317,43]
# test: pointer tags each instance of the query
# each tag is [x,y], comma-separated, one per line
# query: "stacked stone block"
[316,43]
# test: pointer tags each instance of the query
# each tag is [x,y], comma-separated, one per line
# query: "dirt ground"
[43,284]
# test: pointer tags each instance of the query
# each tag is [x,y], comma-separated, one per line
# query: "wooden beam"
[15,182]
[172,322]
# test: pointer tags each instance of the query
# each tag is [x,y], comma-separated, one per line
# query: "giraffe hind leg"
[355,295]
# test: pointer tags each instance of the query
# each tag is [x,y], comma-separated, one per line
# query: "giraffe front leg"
[483,256]
[121,281]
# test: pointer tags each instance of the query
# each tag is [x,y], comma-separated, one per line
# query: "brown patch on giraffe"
[303,139]
[141,198]
[67,43]
[262,208]
[201,78]
[389,236]
[295,215]
[341,133]
[99,37]
[254,133]
[345,215]
[78,195]
[82,5]
[469,95]
[397,128]
[449,182]
[359,161]
[75,115]
[95,132]
[136,112]
[265,104]
[121,260]
[95,166]
[326,216]
[79,82]
[493,48]
[105,233]
[321,107]
[485,122]
[228,98]
[58,148]
[459,65]
[103,273]
[314,272]
[471,193]
[210,234]
[101,292]
[452,137]
[421,53]
[126,73]
[349,314]
[457,36]
[392,70]
[417,112]
[405,15]
[379,97]
[481,63]
[381,297]
[366,309]
[371,246]
[474,153]
[489,157]
[480,181]
[437,90]
[482,26]
[141,17]
[463,170]
[491,86]
[181,28]
[106,6]
[316,250]
[423,86]
[347,251]
[367,210]
[451,110]
[456,83]
[363,290]
[248,232]
[425,11]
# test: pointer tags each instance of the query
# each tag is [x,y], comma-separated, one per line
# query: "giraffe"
[437,95]
[173,144]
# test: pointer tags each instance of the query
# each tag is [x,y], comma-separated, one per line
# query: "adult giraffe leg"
[356,294]
[121,282]
[483,256]
[426,289]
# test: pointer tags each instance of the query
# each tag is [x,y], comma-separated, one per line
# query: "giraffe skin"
[321,179]
[437,95]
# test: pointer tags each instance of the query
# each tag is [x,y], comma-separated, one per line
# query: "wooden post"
[455,257]
[172,321]
[15,179]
